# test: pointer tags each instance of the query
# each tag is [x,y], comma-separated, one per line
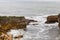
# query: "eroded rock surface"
[12,22]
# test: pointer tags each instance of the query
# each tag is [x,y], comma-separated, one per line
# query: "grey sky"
[29,0]
[40,0]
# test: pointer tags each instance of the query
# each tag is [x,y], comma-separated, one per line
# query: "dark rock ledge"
[53,19]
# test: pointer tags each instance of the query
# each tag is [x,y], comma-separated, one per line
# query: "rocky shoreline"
[12,22]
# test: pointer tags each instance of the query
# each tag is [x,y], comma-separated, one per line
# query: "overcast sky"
[30,0]
[43,0]
[34,0]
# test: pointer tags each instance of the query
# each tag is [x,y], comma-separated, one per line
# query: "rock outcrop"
[13,22]
[52,19]
[8,23]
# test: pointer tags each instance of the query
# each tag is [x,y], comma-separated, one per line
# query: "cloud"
[30,0]
[37,0]
[44,0]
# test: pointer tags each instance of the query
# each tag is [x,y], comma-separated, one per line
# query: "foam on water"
[41,31]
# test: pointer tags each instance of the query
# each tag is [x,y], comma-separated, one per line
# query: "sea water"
[28,8]
[33,10]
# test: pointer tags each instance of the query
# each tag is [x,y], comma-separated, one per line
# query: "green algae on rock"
[13,22]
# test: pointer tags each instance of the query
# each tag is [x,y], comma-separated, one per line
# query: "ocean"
[28,8]
[36,10]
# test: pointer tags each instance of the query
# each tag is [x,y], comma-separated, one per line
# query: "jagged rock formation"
[13,22]
[8,23]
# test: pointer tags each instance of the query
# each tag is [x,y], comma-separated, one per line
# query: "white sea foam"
[40,31]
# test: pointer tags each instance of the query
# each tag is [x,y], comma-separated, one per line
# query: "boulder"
[52,19]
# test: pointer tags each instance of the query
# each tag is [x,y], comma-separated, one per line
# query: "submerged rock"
[19,36]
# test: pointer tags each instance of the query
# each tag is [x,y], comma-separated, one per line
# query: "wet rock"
[59,25]
[32,21]
[52,19]
[19,36]
[28,21]
[34,24]
[12,22]
[59,20]
[6,37]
